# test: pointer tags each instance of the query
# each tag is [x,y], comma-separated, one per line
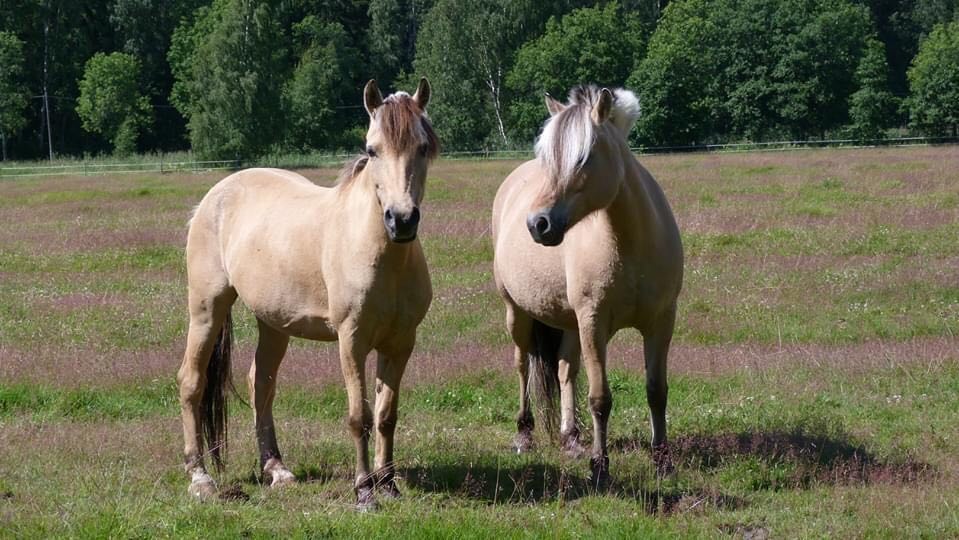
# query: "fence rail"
[88,168]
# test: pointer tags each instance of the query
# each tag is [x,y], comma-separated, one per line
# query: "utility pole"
[46,97]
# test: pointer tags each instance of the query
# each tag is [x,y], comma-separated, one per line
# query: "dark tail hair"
[544,373]
[214,406]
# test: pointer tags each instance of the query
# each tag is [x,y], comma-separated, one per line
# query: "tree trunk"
[3,144]
[494,88]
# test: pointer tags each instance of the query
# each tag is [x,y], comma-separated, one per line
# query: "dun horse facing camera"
[585,244]
[340,263]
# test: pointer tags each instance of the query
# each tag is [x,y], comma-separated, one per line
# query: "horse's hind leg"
[262,383]
[569,362]
[520,326]
[656,348]
[209,308]
[390,365]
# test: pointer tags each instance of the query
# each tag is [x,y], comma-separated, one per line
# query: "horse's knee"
[568,372]
[656,392]
[601,405]
[251,381]
[191,385]
[386,425]
[360,424]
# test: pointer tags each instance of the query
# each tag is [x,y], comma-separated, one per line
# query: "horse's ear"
[603,107]
[372,98]
[554,107]
[422,95]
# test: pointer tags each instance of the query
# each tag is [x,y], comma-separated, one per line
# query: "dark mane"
[352,168]
[584,94]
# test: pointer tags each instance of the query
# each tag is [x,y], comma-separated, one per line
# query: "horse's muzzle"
[546,228]
[401,227]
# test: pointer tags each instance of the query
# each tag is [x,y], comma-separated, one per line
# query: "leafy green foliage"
[597,44]
[230,83]
[184,44]
[316,96]
[13,98]
[448,49]
[933,101]
[110,101]
[466,48]
[248,77]
[750,69]
[872,106]
[394,25]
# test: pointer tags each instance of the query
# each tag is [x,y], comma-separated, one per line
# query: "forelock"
[566,141]
[568,137]
[405,125]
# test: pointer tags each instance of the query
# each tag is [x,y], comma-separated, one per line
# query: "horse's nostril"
[542,224]
[388,215]
[415,216]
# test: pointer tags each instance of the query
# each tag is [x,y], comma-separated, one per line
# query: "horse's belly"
[542,295]
[563,317]
[302,323]
[313,327]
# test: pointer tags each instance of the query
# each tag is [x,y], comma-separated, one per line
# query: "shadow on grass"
[783,459]
[542,482]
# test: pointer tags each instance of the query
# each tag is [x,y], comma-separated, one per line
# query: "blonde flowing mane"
[568,136]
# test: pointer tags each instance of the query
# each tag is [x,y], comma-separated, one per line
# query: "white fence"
[91,168]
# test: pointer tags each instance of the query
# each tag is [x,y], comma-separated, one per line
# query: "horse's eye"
[423,150]
[370,152]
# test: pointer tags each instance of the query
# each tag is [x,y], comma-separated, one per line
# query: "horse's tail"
[544,373]
[214,406]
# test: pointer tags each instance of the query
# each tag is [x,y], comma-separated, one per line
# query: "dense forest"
[245,78]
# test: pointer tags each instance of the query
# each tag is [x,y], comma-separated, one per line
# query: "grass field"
[814,376]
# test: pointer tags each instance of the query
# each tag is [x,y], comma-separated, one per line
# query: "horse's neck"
[360,218]
[632,211]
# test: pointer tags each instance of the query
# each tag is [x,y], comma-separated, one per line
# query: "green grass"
[458,471]
[812,387]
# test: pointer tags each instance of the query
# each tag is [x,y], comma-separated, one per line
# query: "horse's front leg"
[390,365]
[353,351]
[593,341]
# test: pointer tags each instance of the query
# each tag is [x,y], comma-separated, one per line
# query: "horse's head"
[399,145]
[581,152]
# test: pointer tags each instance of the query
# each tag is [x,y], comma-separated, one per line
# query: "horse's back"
[250,187]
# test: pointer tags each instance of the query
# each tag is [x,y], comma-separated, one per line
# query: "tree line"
[244,78]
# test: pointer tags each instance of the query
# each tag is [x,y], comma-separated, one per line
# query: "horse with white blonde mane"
[585,244]
[341,263]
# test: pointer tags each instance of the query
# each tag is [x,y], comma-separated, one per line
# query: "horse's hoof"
[365,500]
[202,487]
[663,461]
[523,442]
[571,446]
[282,478]
[389,490]
[599,473]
